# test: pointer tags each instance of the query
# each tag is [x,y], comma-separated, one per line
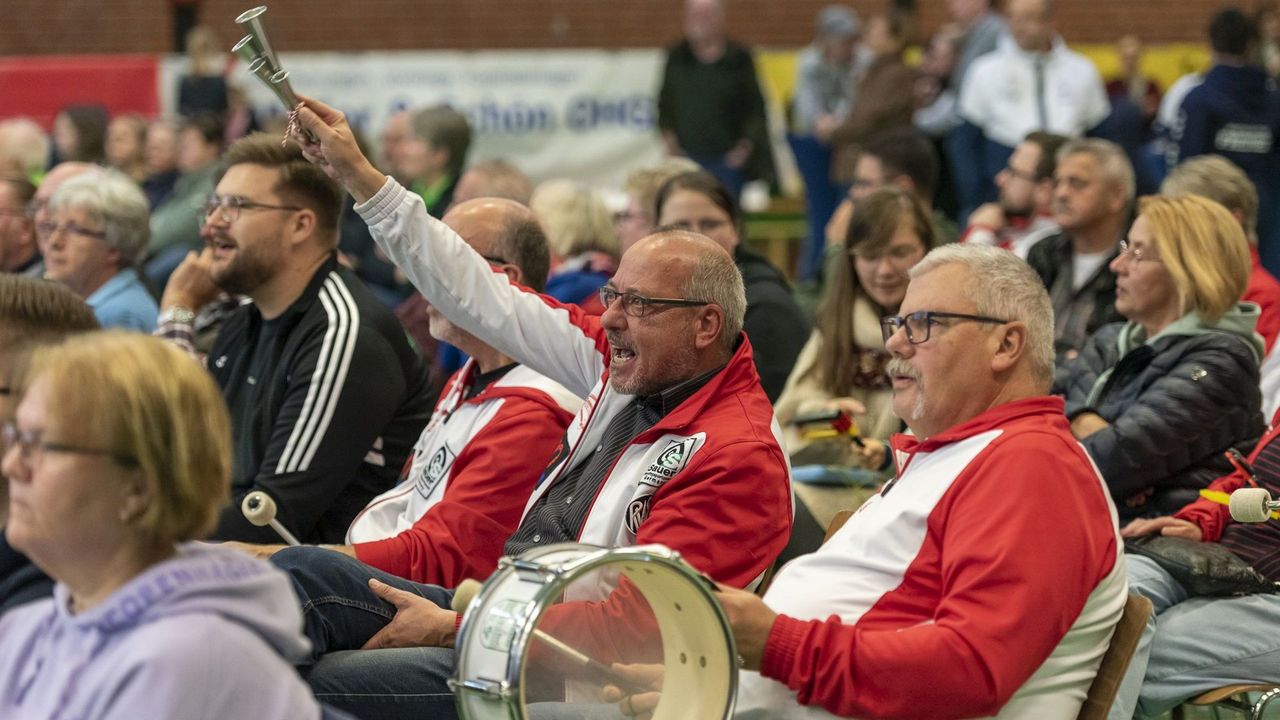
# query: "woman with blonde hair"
[118,456]
[1158,399]
[842,365]
[582,240]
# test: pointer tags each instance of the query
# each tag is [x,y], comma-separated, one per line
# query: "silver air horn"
[255,49]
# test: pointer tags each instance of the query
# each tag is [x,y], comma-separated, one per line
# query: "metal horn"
[255,49]
[248,49]
[251,21]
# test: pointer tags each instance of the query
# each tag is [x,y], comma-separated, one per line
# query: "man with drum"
[986,578]
[675,443]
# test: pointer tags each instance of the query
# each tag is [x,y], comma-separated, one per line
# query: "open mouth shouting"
[620,353]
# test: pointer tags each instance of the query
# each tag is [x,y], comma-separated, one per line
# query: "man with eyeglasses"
[1023,215]
[675,442]
[326,396]
[481,454]
[985,578]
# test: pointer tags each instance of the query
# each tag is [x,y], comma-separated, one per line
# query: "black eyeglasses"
[496,260]
[31,447]
[917,324]
[639,305]
[231,205]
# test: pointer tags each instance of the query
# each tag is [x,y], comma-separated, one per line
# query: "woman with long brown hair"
[842,365]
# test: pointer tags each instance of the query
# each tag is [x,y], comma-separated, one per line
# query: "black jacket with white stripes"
[326,403]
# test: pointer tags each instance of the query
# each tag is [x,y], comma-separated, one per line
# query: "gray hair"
[1003,286]
[112,199]
[716,279]
[1111,159]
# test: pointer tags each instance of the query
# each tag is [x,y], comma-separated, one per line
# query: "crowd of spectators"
[1045,303]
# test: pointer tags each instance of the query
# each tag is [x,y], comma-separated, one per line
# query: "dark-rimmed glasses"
[231,205]
[48,229]
[918,324]
[31,446]
[639,305]
[1133,254]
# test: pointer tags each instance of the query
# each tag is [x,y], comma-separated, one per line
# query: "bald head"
[701,267]
[504,232]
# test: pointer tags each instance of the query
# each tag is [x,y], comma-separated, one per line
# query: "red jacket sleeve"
[1018,553]
[728,516]
[462,535]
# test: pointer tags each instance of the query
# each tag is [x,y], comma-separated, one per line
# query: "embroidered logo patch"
[671,461]
[637,511]
[435,471]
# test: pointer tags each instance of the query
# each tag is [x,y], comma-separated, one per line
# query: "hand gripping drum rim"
[701,675]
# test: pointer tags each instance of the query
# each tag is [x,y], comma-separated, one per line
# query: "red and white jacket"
[1017,237]
[710,479]
[472,471]
[985,581]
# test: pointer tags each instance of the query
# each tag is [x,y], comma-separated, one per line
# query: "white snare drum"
[701,675]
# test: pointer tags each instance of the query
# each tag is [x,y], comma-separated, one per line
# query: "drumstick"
[467,590]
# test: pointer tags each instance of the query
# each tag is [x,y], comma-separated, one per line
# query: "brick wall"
[112,26]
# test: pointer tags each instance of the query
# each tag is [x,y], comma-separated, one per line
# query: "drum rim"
[593,557]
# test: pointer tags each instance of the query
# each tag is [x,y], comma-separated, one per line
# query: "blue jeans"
[340,614]
[1192,645]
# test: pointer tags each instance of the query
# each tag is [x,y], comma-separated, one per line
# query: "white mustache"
[899,367]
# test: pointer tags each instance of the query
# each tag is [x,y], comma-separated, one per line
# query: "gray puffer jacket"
[1175,404]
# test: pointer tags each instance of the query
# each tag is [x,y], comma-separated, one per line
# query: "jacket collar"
[308,296]
[738,376]
[993,419]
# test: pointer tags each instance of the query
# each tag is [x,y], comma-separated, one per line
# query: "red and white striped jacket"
[984,581]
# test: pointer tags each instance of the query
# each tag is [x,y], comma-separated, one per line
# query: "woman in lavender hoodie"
[119,454]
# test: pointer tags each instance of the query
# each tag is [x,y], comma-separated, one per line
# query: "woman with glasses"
[97,233]
[118,455]
[842,365]
[1158,399]
[696,201]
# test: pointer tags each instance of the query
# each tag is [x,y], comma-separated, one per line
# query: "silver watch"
[178,314]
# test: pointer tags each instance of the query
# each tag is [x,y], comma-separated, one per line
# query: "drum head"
[550,631]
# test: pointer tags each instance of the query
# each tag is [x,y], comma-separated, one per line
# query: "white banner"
[589,115]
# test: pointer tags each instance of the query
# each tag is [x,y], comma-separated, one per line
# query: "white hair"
[113,199]
[1003,286]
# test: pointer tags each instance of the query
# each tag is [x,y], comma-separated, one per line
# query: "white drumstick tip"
[463,594]
[259,509]
[1250,505]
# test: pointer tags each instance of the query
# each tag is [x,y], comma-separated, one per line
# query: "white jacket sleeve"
[556,340]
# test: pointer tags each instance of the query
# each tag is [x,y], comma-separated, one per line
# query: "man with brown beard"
[326,396]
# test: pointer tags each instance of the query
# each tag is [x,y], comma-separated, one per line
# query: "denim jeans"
[340,614]
[1192,645]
